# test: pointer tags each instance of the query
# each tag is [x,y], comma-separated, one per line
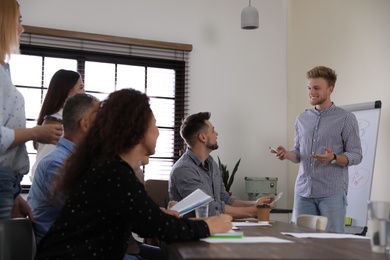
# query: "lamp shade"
[249,18]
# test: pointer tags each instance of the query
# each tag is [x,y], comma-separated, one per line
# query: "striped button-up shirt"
[336,129]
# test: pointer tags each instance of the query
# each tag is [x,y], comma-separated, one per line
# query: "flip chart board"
[360,176]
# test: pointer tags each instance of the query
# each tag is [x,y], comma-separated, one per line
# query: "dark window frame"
[180,67]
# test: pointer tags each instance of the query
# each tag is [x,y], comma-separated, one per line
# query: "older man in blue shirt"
[78,114]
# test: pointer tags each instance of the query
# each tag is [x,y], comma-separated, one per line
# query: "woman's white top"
[44,149]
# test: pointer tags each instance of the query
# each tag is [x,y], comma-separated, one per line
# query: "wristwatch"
[333,161]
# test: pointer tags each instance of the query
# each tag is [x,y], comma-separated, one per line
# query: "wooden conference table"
[302,248]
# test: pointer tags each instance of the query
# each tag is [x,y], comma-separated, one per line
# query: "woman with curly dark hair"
[105,200]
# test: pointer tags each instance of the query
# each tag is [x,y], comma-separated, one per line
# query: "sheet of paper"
[250,224]
[323,235]
[247,240]
[248,219]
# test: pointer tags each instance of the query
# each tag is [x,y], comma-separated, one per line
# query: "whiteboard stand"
[361,175]
[354,230]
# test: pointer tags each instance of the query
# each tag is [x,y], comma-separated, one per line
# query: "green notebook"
[230,234]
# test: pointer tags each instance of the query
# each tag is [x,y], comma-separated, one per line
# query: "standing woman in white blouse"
[14,161]
[63,84]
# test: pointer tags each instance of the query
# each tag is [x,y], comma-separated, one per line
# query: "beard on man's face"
[212,146]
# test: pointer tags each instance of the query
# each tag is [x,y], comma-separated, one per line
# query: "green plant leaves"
[226,177]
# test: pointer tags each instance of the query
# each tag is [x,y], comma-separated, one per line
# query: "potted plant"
[228,178]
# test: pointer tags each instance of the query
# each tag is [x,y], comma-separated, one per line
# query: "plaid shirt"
[188,174]
[336,129]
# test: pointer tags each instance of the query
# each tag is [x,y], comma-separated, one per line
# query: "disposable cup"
[263,212]
[379,226]
[202,211]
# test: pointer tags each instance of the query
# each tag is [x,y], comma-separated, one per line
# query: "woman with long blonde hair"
[14,162]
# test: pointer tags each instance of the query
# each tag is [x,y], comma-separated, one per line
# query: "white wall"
[237,75]
[353,37]
[241,76]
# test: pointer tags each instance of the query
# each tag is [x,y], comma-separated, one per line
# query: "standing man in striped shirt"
[326,142]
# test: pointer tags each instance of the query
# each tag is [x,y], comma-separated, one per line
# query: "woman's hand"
[219,224]
[21,209]
[171,212]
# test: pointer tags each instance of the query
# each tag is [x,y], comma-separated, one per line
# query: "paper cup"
[263,212]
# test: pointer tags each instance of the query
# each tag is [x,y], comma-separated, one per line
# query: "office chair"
[17,239]
[312,221]
[158,191]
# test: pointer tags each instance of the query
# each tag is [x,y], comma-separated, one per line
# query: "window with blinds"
[158,69]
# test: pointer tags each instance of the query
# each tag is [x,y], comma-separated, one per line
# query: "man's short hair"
[193,125]
[323,72]
[74,109]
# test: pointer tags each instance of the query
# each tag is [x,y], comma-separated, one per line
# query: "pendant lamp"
[249,18]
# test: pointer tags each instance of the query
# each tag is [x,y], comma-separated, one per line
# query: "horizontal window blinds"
[120,50]
[103,43]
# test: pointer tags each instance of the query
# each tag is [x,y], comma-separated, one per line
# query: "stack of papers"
[244,240]
[250,224]
[323,235]
[238,237]
[194,200]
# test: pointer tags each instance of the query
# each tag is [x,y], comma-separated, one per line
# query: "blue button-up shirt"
[336,129]
[44,210]
[12,116]
[188,174]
